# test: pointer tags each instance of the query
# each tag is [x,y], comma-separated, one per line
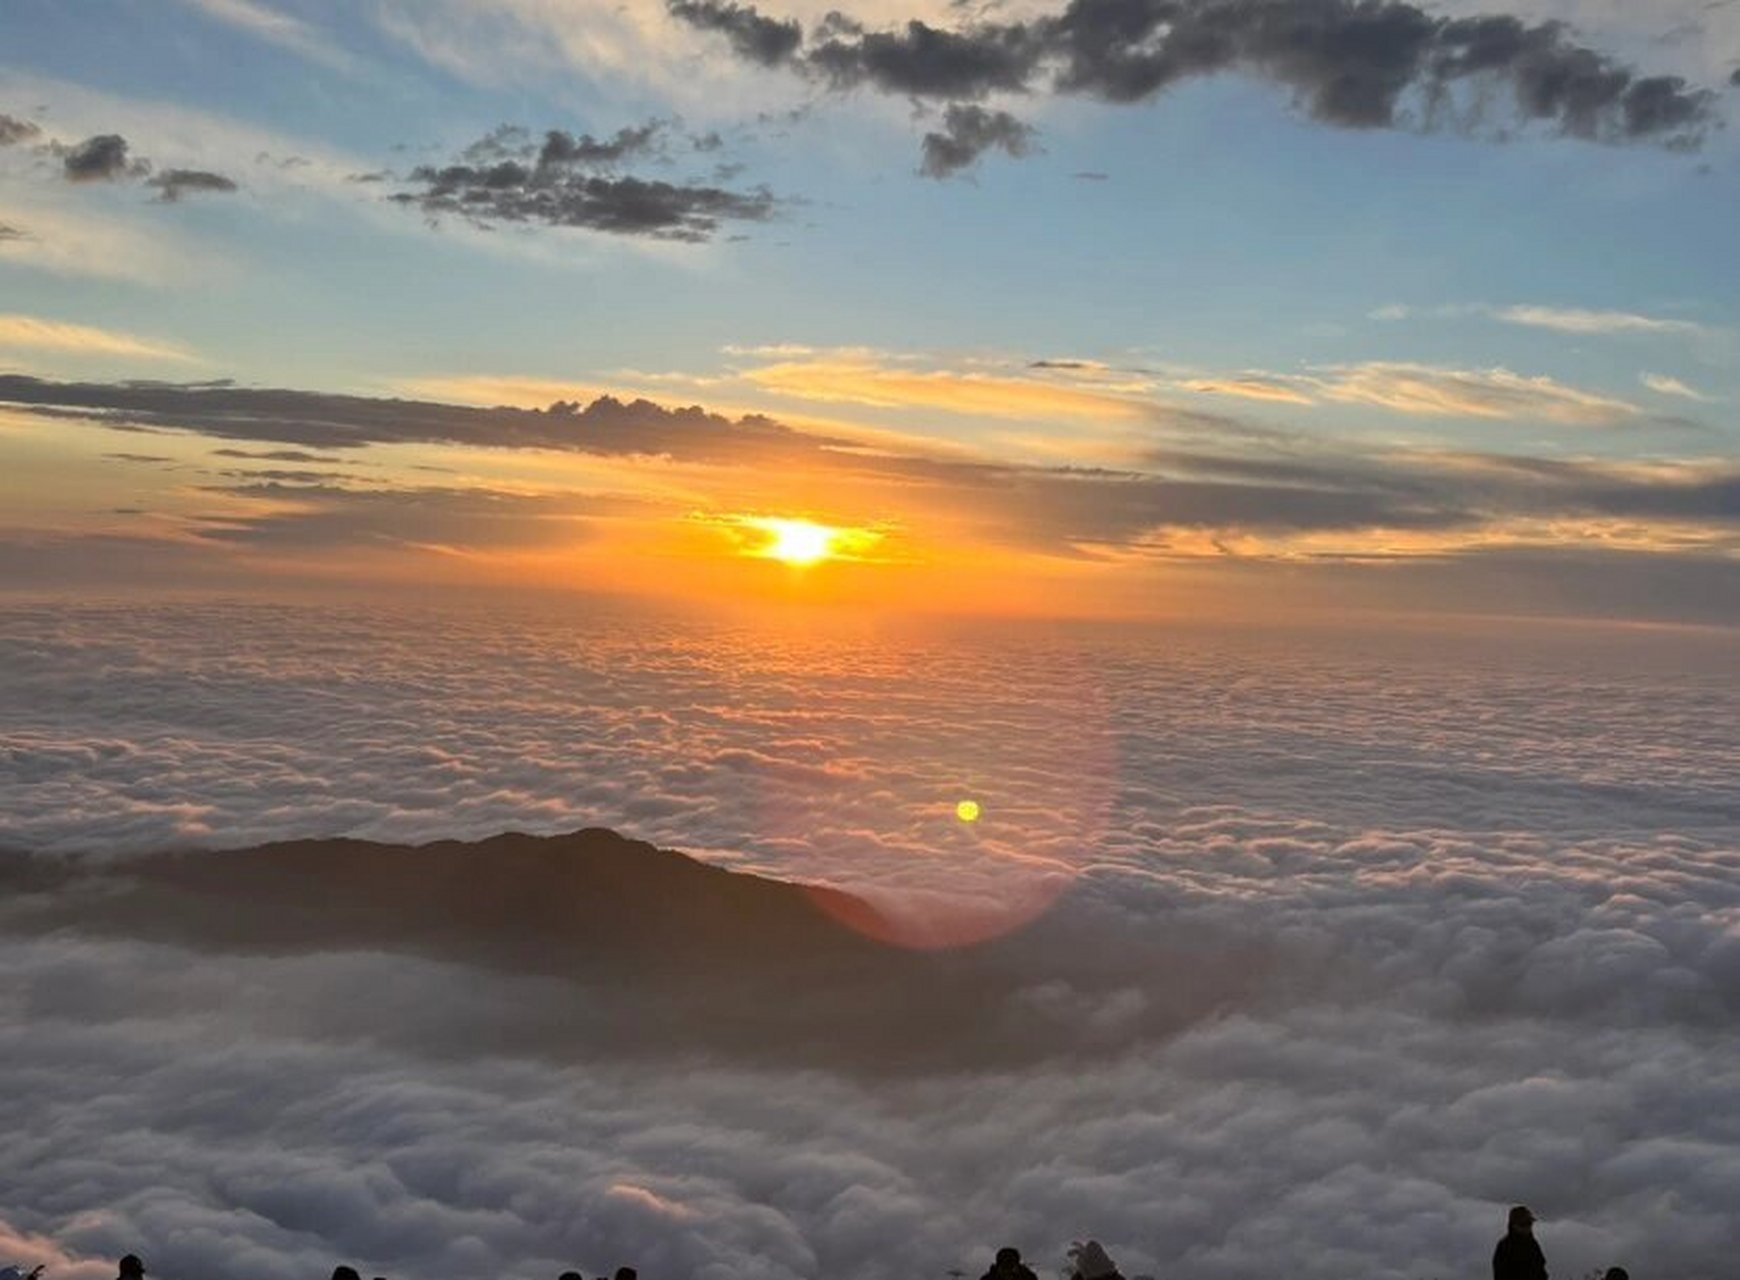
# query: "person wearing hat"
[1091,1262]
[1518,1256]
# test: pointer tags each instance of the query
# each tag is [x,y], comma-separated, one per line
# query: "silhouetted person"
[1090,1261]
[1518,1256]
[1009,1266]
[1617,1273]
[345,1273]
[570,1275]
[627,1273]
[132,1268]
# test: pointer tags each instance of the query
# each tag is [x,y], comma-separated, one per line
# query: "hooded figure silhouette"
[1518,1256]
[1009,1266]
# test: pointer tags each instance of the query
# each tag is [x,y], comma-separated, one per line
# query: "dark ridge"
[640,950]
[583,903]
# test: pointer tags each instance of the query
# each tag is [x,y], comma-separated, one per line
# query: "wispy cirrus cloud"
[888,380]
[1580,321]
[1583,321]
[1494,393]
[1421,390]
[36,333]
[279,28]
[1662,384]
[1255,386]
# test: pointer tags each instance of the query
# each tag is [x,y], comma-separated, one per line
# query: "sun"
[799,541]
[795,542]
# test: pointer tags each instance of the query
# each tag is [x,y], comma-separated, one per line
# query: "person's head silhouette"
[131,1267]
[1617,1273]
[342,1272]
[627,1273]
[1521,1220]
[570,1275]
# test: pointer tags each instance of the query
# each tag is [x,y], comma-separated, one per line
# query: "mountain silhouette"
[658,950]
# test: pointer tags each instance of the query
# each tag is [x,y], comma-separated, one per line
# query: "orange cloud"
[877,382]
[79,339]
[1249,388]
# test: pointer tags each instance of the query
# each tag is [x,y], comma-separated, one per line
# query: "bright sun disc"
[967,811]
[796,541]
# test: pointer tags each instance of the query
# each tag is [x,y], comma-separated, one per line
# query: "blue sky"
[1222,260]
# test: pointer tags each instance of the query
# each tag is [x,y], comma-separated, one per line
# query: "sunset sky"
[1106,310]
[1147,587]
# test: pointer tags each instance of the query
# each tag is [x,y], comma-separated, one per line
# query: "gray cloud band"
[1351,63]
[1274,486]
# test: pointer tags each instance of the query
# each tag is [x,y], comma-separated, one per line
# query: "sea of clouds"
[1479,895]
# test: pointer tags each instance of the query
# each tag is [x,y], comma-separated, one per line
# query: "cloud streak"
[1188,487]
[1579,321]
[275,27]
[36,333]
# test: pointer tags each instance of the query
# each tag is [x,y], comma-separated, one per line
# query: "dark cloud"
[302,509]
[929,62]
[275,455]
[102,158]
[1356,64]
[317,420]
[506,178]
[1708,497]
[565,149]
[172,184]
[764,40]
[968,132]
[1268,484]
[298,476]
[14,131]
[12,233]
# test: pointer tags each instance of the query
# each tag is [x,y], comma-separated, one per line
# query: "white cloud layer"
[1486,892]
